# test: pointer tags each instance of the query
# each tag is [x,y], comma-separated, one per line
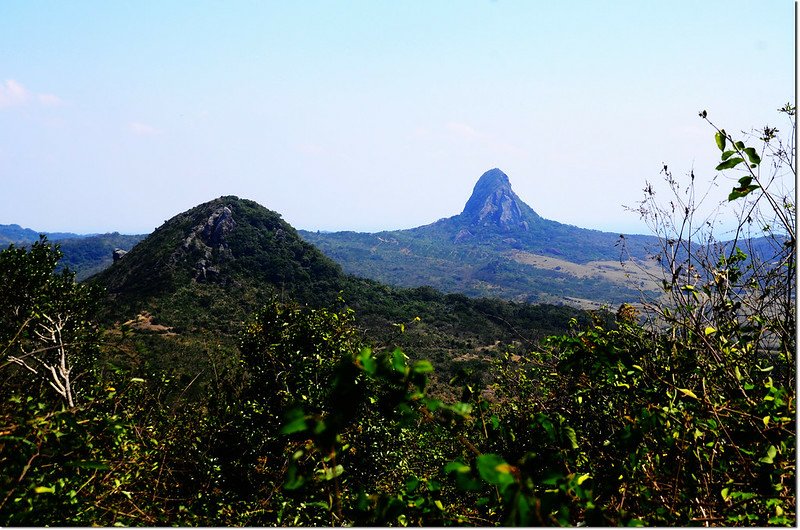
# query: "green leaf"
[523,511]
[688,393]
[547,425]
[737,193]
[367,361]
[422,367]
[494,470]
[730,163]
[552,479]
[570,434]
[727,154]
[720,139]
[710,330]
[770,456]
[433,404]
[752,155]
[295,422]
[44,489]
[464,479]
[399,361]
[458,467]
[293,480]
[333,472]
[462,409]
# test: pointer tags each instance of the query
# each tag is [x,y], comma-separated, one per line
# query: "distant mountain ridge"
[499,246]
[16,234]
[84,254]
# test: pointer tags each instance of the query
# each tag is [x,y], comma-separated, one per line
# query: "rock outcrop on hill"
[494,203]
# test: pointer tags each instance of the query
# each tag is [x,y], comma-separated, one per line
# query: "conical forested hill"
[211,265]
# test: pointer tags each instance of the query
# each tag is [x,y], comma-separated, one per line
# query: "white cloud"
[12,94]
[143,129]
[49,100]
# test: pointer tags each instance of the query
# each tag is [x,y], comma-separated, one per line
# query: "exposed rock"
[206,272]
[118,254]
[463,235]
[219,224]
[209,241]
[494,203]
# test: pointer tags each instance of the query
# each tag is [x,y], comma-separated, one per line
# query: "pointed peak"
[494,203]
[494,177]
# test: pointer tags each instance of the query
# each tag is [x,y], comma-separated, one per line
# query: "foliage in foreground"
[684,419]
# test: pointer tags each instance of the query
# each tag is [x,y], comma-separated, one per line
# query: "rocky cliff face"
[207,237]
[494,203]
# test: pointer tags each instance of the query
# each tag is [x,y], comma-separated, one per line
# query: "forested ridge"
[226,373]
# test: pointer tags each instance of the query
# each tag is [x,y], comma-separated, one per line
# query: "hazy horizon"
[371,116]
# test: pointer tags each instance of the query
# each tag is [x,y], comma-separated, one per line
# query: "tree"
[740,288]
[45,320]
[82,458]
[689,418]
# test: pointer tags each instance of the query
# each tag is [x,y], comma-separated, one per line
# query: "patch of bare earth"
[144,322]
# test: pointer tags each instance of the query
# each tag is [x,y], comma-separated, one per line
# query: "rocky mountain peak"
[206,237]
[494,203]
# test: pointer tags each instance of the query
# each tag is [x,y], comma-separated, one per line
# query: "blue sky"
[370,115]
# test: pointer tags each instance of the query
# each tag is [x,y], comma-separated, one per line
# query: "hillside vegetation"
[204,272]
[226,373]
